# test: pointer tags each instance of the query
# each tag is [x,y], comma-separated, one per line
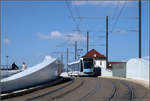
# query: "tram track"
[131,92]
[88,89]
[69,91]
[121,91]
[60,92]
[113,92]
[53,91]
[93,91]
[140,92]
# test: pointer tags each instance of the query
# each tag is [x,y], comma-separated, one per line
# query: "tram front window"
[88,66]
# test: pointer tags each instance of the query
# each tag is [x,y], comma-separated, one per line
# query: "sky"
[32,30]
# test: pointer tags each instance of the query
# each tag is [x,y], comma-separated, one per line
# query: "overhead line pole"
[75,50]
[87,41]
[106,41]
[67,60]
[140,29]
[62,63]
[7,61]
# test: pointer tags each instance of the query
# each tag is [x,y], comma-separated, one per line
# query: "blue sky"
[32,30]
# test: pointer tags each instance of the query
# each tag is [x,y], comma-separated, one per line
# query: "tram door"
[81,65]
[97,71]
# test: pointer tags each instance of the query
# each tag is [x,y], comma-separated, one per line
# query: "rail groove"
[65,93]
[93,91]
[113,92]
[29,90]
[51,92]
[130,90]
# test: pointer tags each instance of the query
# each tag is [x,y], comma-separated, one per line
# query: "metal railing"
[8,67]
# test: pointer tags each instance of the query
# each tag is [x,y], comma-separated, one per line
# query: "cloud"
[70,36]
[58,35]
[43,36]
[98,2]
[7,41]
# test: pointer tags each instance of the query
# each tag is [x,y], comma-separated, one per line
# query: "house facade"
[98,58]
[99,61]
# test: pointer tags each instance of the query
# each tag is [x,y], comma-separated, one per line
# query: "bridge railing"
[7,67]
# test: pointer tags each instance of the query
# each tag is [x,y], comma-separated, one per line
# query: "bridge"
[84,89]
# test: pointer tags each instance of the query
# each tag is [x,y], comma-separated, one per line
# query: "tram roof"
[74,62]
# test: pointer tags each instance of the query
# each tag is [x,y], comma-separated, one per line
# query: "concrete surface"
[89,89]
[43,72]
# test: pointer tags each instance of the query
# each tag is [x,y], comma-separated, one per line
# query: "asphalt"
[89,89]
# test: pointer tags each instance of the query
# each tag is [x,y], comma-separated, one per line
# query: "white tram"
[83,67]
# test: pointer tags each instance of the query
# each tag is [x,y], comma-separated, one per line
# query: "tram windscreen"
[88,64]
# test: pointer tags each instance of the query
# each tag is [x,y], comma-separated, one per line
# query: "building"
[99,59]
[118,69]
[95,63]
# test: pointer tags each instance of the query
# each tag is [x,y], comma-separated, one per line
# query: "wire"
[78,13]
[96,45]
[115,11]
[80,20]
[119,15]
[71,13]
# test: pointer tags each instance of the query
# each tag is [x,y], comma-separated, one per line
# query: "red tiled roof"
[93,54]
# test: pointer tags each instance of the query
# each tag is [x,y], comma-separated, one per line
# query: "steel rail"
[51,92]
[69,91]
[130,90]
[113,92]
[92,92]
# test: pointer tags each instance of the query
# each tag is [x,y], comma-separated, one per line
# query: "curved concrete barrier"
[40,73]
[138,69]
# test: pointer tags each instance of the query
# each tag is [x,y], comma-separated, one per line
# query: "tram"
[83,67]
